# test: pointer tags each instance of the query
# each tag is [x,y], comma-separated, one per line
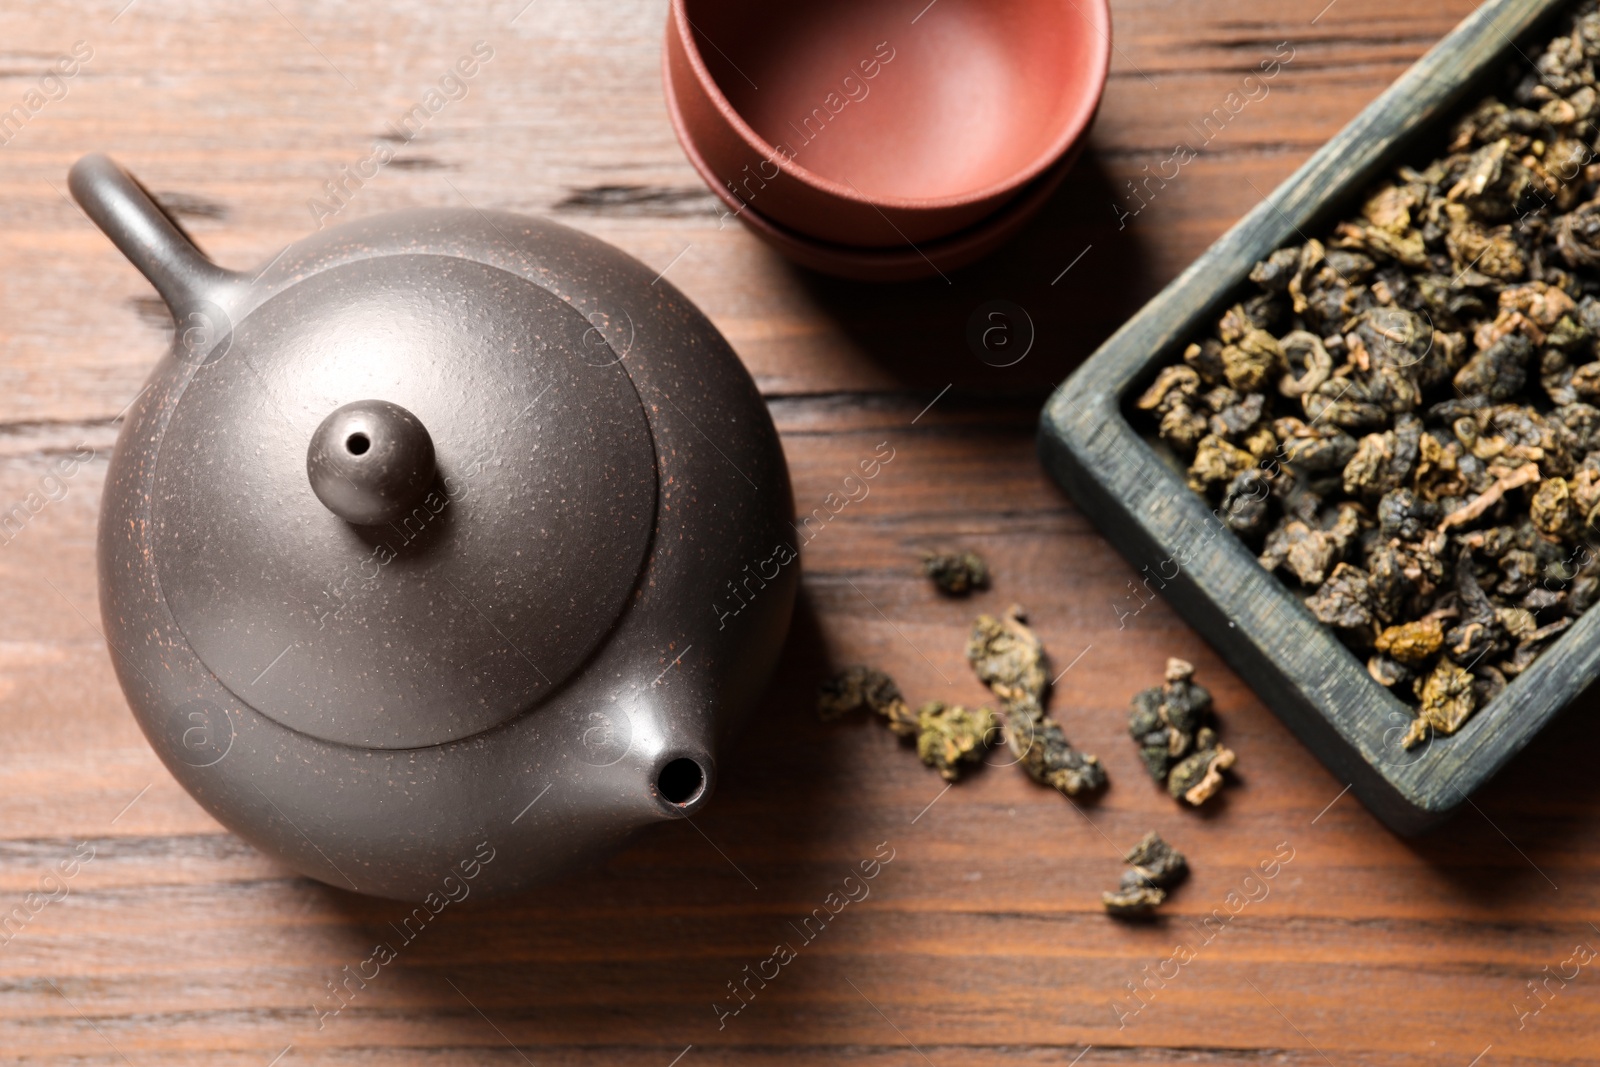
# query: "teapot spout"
[658,754]
[682,781]
[115,201]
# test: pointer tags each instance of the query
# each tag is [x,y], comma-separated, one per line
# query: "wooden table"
[983,941]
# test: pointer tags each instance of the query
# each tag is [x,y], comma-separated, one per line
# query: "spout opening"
[681,782]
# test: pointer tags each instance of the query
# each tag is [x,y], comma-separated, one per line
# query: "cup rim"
[880,264]
[1097,15]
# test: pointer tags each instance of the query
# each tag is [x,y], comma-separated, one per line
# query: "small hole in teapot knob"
[370,462]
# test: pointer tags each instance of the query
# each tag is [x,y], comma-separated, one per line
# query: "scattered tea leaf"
[1157,862]
[855,688]
[949,734]
[1170,723]
[1154,867]
[1197,777]
[946,735]
[1009,659]
[956,573]
[1050,759]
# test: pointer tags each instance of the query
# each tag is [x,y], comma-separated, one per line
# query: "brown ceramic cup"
[883,123]
[897,263]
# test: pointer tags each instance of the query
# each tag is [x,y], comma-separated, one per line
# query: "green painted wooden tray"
[1298,667]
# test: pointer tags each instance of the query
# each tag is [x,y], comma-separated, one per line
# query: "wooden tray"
[1298,667]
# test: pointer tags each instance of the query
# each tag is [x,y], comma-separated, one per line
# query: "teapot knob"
[370,462]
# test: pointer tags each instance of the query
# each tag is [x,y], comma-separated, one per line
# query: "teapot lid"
[402,500]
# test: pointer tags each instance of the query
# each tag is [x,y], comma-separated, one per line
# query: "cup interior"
[901,101]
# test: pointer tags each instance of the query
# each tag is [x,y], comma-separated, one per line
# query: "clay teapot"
[449,545]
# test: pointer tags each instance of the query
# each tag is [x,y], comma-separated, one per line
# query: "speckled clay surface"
[517,661]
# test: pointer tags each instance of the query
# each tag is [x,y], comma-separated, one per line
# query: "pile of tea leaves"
[1400,417]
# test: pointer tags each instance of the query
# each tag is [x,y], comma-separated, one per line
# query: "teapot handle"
[150,238]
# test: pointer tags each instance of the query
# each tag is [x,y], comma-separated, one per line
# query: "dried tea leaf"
[1157,863]
[1403,515]
[1183,702]
[957,573]
[1254,362]
[855,688]
[1218,462]
[1050,759]
[1169,723]
[903,721]
[1553,510]
[949,734]
[1314,447]
[1198,777]
[1176,384]
[1446,701]
[1384,461]
[1344,600]
[1411,643]
[1246,506]
[1155,867]
[1308,361]
[1388,672]
[1009,659]
[1206,360]
[1478,629]
[1132,901]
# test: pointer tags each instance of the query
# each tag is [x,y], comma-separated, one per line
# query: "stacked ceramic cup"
[885,139]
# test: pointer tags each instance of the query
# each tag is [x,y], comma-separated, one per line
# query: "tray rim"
[1311,680]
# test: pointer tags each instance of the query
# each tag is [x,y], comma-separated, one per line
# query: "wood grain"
[982,942]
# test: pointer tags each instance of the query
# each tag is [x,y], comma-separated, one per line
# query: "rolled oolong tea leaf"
[1445,701]
[1165,717]
[1389,672]
[858,687]
[1050,759]
[1169,723]
[1009,659]
[1412,643]
[1197,777]
[1345,599]
[1132,901]
[1417,386]
[946,735]
[1155,736]
[1184,704]
[956,573]
[854,688]
[949,734]
[1157,862]
[1154,867]
[1008,656]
